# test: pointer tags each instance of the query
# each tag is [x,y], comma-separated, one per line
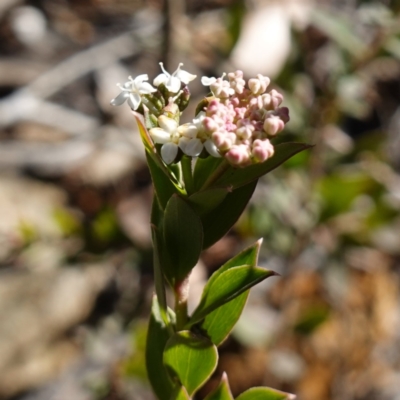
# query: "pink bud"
[273,125]
[240,112]
[245,129]
[276,99]
[213,106]
[223,140]
[236,81]
[210,124]
[221,88]
[271,100]
[258,85]
[262,150]
[283,114]
[238,155]
[235,101]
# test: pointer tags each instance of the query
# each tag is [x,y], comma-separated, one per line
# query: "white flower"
[218,86]
[205,135]
[172,137]
[132,91]
[173,82]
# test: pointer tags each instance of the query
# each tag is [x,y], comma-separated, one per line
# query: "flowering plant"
[204,174]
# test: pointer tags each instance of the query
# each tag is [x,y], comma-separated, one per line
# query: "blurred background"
[75,251]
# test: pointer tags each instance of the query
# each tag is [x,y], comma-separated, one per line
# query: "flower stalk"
[181,292]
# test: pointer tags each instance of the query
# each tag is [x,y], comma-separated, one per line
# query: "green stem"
[223,167]
[159,285]
[186,163]
[181,297]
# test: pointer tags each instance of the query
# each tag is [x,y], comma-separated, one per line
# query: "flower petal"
[211,148]
[173,84]
[140,78]
[169,151]
[146,88]
[120,99]
[168,124]
[188,130]
[134,100]
[185,76]
[206,81]
[160,79]
[191,147]
[159,135]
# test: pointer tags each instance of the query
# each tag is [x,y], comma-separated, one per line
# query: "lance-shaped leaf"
[157,214]
[219,221]
[228,285]
[183,239]
[248,256]
[157,337]
[237,177]
[219,323]
[265,393]
[207,200]
[191,359]
[204,169]
[217,329]
[222,392]
[163,186]
[179,393]
[144,134]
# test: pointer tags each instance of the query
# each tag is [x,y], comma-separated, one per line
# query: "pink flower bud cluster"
[240,120]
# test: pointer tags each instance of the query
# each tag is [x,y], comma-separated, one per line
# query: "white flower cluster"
[191,138]
[134,89]
[236,124]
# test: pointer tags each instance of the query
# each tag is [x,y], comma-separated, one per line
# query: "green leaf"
[203,170]
[219,323]
[144,134]
[265,393]
[248,256]
[237,177]
[191,359]
[222,392]
[163,186]
[207,200]
[183,239]
[157,337]
[228,285]
[157,214]
[180,393]
[219,221]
